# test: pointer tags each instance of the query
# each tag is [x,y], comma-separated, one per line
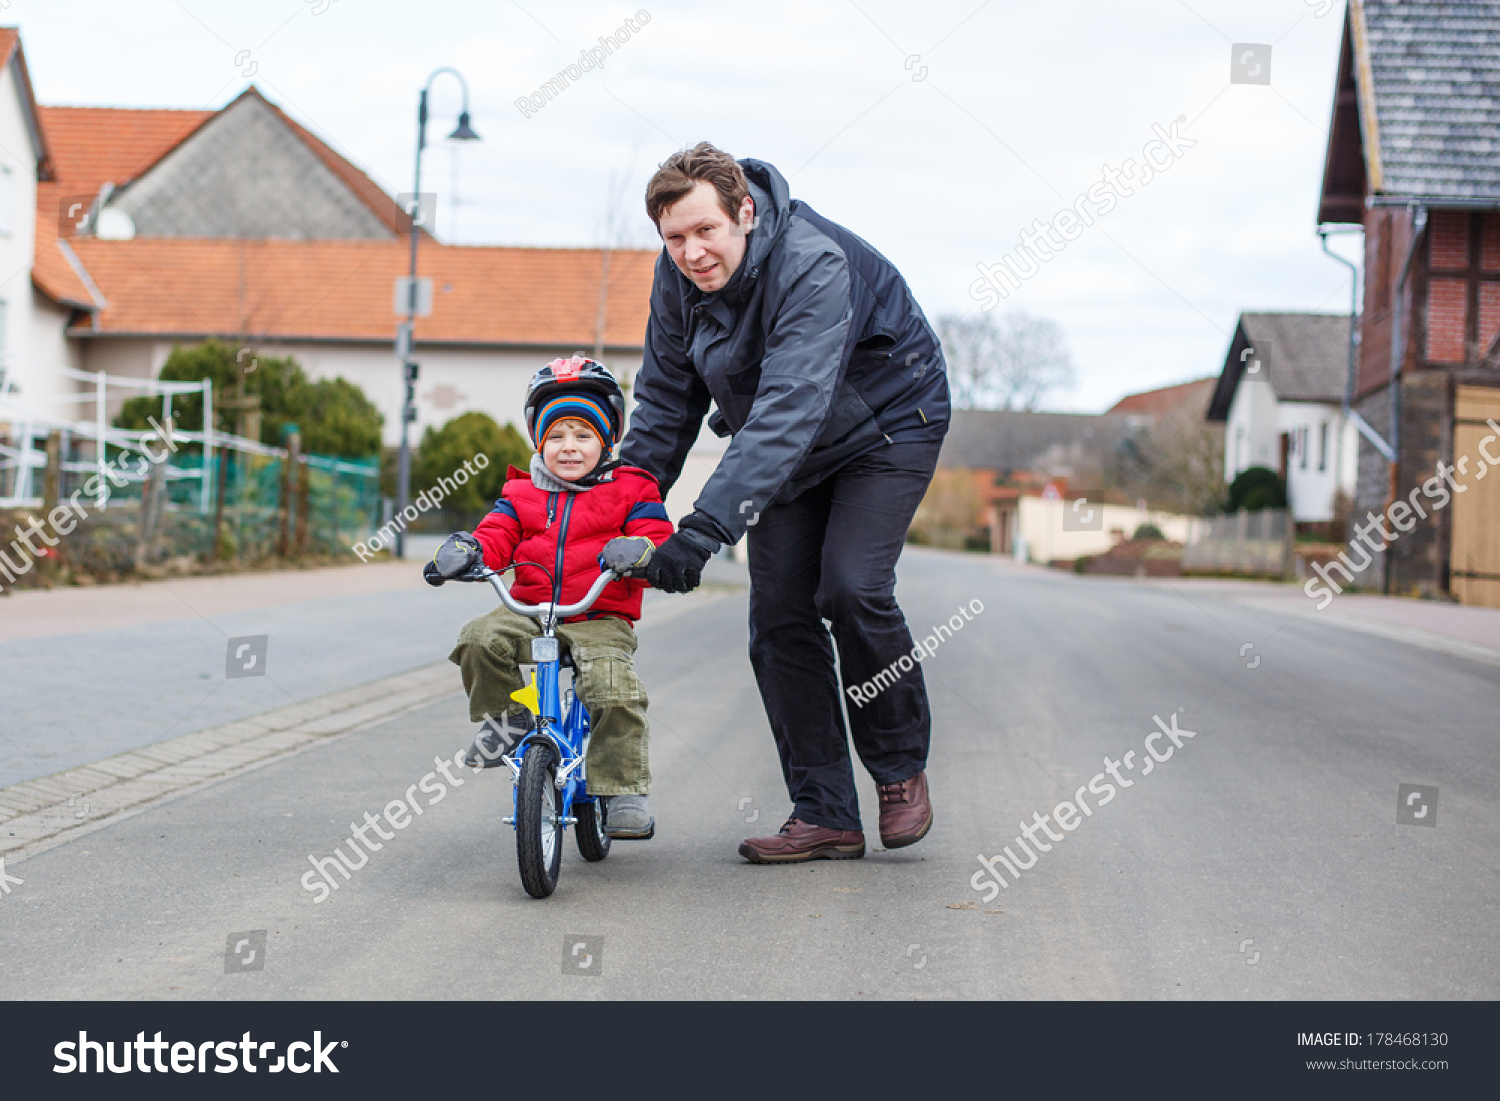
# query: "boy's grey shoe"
[497,737]
[628,818]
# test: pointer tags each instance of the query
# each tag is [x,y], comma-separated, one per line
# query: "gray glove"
[460,558]
[627,555]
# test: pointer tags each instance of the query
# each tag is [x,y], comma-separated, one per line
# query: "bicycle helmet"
[576,387]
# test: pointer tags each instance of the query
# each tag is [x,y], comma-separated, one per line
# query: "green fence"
[253,508]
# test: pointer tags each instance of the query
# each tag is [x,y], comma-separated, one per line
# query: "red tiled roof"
[1156,402]
[96,145]
[92,146]
[344,290]
[329,290]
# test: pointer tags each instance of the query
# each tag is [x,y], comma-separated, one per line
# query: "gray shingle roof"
[1305,355]
[1435,75]
[990,439]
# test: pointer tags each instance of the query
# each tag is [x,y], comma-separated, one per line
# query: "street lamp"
[409,368]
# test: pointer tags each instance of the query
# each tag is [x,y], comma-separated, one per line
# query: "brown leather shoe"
[905,812]
[800,841]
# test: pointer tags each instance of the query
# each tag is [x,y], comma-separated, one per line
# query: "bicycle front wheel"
[539,825]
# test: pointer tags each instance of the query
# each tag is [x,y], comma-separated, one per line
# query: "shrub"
[333,415]
[1255,489]
[446,449]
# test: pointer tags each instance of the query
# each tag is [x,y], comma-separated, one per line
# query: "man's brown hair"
[680,173]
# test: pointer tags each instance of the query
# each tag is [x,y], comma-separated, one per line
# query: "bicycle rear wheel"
[539,820]
[592,842]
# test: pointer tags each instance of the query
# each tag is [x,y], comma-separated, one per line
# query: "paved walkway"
[1453,628]
[43,613]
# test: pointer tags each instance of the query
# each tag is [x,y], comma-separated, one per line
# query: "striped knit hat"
[575,405]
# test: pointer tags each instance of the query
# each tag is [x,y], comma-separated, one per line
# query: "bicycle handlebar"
[548,611]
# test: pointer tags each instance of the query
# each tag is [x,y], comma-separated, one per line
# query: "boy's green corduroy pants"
[491,649]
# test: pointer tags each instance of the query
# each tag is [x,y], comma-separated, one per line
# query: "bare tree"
[1009,363]
[619,227]
[1177,463]
[971,345]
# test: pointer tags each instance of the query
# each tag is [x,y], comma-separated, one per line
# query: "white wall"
[33,325]
[453,381]
[1041,526]
[1250,434]
[1252,437]
[1316,472]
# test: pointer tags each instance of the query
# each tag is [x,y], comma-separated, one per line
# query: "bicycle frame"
[566,729]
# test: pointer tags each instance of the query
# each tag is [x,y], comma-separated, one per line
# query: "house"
[1280,398]
[242,225]
[993,457]
[1012,480]
[1412,161]
[133,230]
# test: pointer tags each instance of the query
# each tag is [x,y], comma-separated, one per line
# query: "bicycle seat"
[565,660]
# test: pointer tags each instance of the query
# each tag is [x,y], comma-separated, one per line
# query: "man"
[832,384]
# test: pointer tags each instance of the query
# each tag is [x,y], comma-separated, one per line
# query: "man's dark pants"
[831,553]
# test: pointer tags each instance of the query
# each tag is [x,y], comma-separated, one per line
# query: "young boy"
[559,517]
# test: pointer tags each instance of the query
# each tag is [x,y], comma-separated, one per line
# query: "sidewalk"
[44,613]
[1458,629]
[1452,628]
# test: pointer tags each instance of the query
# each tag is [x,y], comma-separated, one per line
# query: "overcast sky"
[936,131]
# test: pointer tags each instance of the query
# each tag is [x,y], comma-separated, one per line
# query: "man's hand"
[677,565]
[627,555]
[460,558]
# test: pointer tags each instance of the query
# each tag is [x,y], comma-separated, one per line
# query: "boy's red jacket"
[566,531]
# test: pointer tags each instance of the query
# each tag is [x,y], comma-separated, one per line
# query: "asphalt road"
[1262,860]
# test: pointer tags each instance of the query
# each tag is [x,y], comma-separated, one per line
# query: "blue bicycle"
[547,766]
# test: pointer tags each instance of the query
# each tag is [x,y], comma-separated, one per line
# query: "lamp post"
[409,367]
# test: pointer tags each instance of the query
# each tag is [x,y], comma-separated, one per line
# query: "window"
[1322,445]
[1302,447]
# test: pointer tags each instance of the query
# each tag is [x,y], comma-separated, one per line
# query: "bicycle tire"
[539,820]
[593,845]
